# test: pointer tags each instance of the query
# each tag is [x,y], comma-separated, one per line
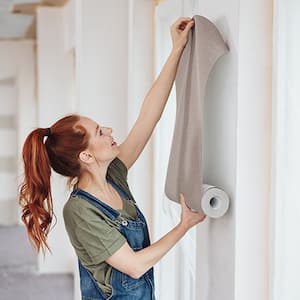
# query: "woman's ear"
[85,157]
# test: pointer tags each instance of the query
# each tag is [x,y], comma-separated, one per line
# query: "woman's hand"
[188,217]
[136,263]
[179,32]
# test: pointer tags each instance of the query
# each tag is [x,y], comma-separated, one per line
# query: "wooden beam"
[30,8]
[31,30]
[25,8]
[55,2]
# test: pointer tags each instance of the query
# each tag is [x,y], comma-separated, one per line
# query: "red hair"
[60,151]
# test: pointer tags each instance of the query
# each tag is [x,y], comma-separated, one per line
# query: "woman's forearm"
[157,96]
[136,263]
[149,256]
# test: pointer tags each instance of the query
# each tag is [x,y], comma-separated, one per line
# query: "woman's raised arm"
[155,100]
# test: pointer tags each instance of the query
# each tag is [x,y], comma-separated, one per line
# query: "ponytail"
[64,141]
[35,193]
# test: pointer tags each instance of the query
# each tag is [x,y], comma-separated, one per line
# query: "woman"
[104,223]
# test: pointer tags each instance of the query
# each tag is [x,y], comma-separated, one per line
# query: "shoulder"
[118,169]
[93,235]
[73,206]
[77,210]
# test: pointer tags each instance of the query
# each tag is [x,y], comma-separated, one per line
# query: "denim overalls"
[136,232]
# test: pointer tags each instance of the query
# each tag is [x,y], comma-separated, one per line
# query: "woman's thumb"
[189,25]
[182,202]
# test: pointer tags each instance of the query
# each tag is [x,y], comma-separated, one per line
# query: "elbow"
[134,275]
[136,265]
[136,272]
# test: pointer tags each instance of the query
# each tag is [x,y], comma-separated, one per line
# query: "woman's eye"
[100,132]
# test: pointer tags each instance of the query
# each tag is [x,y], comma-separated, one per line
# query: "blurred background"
[100,58]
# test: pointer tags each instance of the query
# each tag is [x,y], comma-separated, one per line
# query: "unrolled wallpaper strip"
[185,168]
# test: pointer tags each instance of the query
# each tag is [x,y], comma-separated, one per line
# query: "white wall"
[235,248]
[83,58]
[254,120]
[8,150]
[56,98]
[115,73]
[104,64]
[240,115]
[140,79]
[113,76]
[216,238]
[286,161]
[231,252]
[18,104]
[202,264]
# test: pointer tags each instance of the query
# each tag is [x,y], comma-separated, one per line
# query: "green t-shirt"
[93,235]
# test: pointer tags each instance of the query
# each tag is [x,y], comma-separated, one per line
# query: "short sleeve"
[118,169]
[99,239]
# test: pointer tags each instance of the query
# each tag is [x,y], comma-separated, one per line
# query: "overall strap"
[118,187]
[106,209]
[139,213]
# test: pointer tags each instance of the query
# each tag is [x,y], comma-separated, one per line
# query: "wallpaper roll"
[185,174]
[214,201]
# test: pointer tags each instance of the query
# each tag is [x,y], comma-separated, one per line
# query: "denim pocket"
[130,283]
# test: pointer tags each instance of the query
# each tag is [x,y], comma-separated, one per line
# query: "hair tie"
[48,132]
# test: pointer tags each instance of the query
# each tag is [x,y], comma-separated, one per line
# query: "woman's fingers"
[183,19]
[181,23]
[186,207]
[189,25]
[182,200]
[179,32]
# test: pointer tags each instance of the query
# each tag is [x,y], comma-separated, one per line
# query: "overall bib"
[136,232]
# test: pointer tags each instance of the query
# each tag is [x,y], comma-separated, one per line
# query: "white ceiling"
[13,25]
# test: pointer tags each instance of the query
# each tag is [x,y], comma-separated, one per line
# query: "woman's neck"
[93,181]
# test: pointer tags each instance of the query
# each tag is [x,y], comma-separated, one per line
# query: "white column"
[140,79]
[103,69]
[202,264]
[286,147]
[17,117]
[253,150]
[231,252]
[56,98]
[115,73]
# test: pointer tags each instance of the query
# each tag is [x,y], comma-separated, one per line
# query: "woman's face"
[101,145]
